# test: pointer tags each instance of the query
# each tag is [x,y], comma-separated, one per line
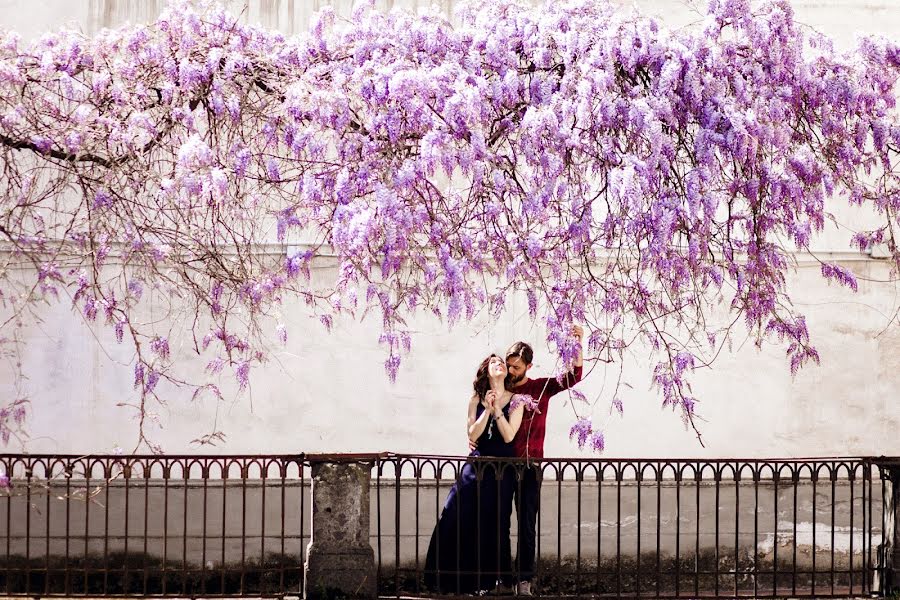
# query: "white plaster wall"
[328,392]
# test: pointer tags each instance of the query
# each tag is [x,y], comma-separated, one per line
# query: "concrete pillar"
[340,561]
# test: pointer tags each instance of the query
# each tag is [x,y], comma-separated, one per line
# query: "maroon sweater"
[529,440]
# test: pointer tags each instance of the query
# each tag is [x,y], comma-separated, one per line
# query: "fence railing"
[202,526]
[659,528]
[153,525]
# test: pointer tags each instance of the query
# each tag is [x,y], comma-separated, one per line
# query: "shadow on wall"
[115,13]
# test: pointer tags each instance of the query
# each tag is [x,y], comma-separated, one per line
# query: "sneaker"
[524,588]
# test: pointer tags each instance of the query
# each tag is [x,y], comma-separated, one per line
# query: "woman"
[470,543]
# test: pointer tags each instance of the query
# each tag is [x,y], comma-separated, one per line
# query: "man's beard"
[514,381]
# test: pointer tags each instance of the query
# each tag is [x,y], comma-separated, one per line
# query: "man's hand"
[472,445]
[578,332]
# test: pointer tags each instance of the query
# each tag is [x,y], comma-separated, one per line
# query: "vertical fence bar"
[107,483]
[418,473]
[559,478]
[618,531]
[885,554]
[459,474]
[867,526]
[717,476]
[68,576]
[48,476]
[244,473]
[833,474]
[678,474]
[659,468]
[776,475]
[204,473]
[184,527]
[28,475]
[599,525]
[539,478]
[868,566]
[437,514]
[796,481]
[757,473]
[165,529]
[126,481]
[87,514]
[638,476]
[397,528]
[578,477]
[302,521]
[862,555]
[282,472]
[225,467]
[852,499]
[147,467]
[10,474]
[263,565]
[815,477]
[737,524]
[698,476]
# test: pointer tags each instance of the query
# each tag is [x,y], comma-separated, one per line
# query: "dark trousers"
[528,500]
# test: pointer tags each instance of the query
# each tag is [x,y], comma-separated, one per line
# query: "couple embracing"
[470,547]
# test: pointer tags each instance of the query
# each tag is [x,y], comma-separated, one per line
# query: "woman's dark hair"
[482,383]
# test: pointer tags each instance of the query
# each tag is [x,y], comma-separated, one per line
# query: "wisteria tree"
[617,174]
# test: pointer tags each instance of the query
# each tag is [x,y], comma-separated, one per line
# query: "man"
[529,443]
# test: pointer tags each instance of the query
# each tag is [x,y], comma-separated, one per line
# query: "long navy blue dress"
[470,544]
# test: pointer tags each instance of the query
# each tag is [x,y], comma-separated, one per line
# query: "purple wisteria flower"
[581,431]
[242,373]
[523,399]
[160,347]
[617,406]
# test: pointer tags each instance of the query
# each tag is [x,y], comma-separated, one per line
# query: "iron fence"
[201,526]
[655,528]
[153,525]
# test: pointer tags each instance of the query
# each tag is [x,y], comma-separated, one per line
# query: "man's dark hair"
[521,350]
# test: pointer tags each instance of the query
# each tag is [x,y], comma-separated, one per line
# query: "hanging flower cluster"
[616,174]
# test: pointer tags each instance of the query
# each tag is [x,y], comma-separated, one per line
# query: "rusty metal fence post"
[340,560]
